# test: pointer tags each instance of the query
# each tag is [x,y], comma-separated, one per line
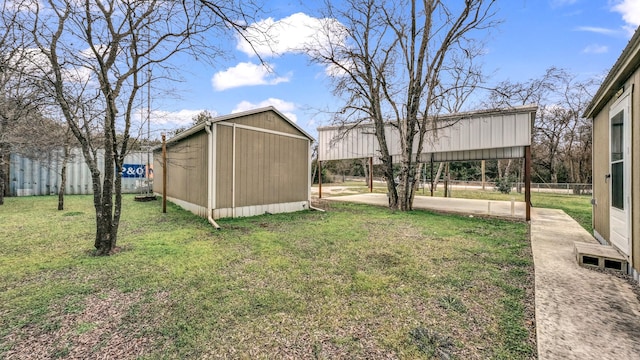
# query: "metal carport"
[477,135]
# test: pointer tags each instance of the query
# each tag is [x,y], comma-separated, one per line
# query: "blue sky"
[584,37]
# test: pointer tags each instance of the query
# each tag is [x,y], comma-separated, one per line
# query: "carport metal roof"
[477,135]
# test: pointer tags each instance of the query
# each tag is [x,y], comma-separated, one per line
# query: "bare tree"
[576,145]
[561,138]
[95,56]
[401,63]
[16,99]
[534,91]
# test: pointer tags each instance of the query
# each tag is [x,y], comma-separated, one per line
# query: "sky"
[584,37]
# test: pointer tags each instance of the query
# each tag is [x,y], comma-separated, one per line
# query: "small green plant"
[85,327]
[450,302]
[504,185]
[431,343]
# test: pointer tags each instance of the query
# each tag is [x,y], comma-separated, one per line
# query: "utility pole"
[164,173]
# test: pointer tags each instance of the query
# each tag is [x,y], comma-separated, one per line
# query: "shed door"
[619,177]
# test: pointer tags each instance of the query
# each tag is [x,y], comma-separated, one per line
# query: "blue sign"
[133,171]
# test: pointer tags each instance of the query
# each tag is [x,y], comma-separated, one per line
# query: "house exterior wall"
[635,170]
[600,159]
[186,170]
[601,153]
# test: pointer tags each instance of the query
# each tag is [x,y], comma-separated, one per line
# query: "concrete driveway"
[580,313]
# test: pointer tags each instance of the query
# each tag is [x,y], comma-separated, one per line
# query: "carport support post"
[319,179]
[482,165]
[431,175]
[527,182]
[371,174]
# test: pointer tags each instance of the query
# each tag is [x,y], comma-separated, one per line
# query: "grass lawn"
[576,206]
[356,282]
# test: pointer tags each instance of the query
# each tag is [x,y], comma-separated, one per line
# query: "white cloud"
[598,30]
[297,34]
[22,5]
[34,62]
[595,49]
[182,117]
[246,74]
[285,107]
[630,10]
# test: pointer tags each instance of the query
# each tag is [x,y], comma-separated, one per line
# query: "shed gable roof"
[261,110]
[200,127]
[627,63]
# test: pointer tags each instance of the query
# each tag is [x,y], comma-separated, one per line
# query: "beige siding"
[268,120]
[186,170]
[261,166]
[223,145]
[157,171]
[635,171]
[269,168]
[600,168]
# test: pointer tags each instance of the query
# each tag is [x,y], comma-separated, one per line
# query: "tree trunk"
[5,158]
[3,175]
[313,174]
[365,167]
[407,184]
[391,184]
[107,215]
[507,169]
[446,181]
[437,178]
[63,177]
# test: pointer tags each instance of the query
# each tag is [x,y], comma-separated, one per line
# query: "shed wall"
[267,120]
[186,169]
[224,166]
[269,168]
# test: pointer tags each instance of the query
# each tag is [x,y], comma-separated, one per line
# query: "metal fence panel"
[29,176]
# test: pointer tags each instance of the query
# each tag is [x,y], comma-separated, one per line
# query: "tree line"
[561,142]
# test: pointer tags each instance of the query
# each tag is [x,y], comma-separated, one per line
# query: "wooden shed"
[242,164]
[615,111]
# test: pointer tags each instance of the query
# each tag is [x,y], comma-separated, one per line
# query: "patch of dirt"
[99,331]
[320,203]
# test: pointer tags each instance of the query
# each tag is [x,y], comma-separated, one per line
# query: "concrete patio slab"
[515,209]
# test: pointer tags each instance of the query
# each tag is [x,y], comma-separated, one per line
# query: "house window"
[617,161]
